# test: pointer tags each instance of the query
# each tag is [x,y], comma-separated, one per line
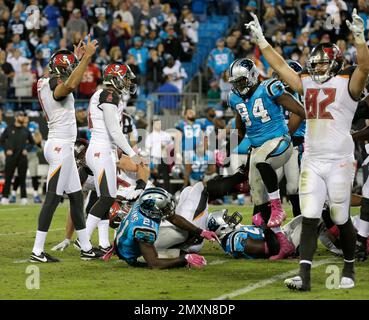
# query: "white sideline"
[271,280]
[26,232]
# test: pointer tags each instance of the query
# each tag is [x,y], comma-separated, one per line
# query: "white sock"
[38,246]
[274,195]
[91,224]
[35,193]
[277,229]
[84,240]
[103,227]
[14,193]
[362,228]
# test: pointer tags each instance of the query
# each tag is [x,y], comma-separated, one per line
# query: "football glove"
[195,260]
[62,245]
[209,235]
[257,32]
[357,27]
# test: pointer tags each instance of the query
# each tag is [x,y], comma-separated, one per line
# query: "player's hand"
[62,245]
[357,27]
[209,235]
[80,49]
[195,260]
[136,159]
[130,193]
[257,31]
[91,47]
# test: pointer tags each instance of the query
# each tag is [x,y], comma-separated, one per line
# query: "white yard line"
[27,232]
[271,280]
[216,262]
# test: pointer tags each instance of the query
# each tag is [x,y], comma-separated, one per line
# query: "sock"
[295,202]
[348,242]
[264,209]
[35,193]
[14,193]
[103,227]
[305,268]
[38,246]
[91,224]
[274,195]
[309,236]
[84,240]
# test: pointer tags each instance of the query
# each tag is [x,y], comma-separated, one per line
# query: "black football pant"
[11,163]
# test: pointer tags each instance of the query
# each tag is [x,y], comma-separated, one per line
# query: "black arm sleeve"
[53,83]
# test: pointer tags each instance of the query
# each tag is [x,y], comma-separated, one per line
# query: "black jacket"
[16,139]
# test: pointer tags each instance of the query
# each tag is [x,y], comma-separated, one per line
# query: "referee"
[16,139]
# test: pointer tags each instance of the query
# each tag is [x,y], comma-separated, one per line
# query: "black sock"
[35,183]
[348,241]
[364,210]
[295,202]
[305,269]
[49,206]
[76,210]
[268,176]
[265,211]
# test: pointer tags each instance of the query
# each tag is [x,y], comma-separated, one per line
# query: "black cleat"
[296,283]
[105,250]
[77,245]
[360,250]
[93,253]
[43,258]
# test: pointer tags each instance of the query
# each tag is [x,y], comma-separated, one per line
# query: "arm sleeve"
[111,119]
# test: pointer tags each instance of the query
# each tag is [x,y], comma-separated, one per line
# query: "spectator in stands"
[172,45]
[156,8]
[46,46]
[16,25]
[125,14]
[290,14]
[76,24]
[152,40]
[177,74]
[141,55]
[3,36]
[16,139]
[90,80]
[82,125]
[167,102]
[154,71]
[102,60]
[225,88]
[16,60]
[23,81]
[214,93]
[99,9]
[159,143]
[4,11]
[244,49]
[66,12]
[100,30]
[3,87]
[219,59]
[245,17]
[120,32]
[3,126]
[191,25]
[188,47]
[21,45]
[52,13]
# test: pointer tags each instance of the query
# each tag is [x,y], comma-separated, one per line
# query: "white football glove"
[61,246]
[257,31]
[357,27]
[130,193]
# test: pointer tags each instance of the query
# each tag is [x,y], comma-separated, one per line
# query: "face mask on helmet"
[63,63]
[121,78]
[243,75]
[222,223]
[242,85]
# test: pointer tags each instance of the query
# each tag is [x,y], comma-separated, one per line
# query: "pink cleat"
[257,220]
[278,215]
[286,248]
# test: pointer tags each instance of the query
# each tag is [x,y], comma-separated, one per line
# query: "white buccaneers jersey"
[329,112]
[60,115]
[99,131]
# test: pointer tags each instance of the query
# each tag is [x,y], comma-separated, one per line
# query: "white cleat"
[4,201]
[24,202]
[294,283]
[346,283]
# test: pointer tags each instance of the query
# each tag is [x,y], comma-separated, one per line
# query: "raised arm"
[277,62]
[360,75]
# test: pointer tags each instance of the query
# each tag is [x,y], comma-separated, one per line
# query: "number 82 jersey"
[263,117]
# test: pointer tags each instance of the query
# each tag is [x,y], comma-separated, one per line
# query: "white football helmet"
[243,75]
[221,223]
[157,203]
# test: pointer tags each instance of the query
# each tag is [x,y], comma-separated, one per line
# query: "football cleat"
[295,283]
[278,215]
[346,283]
[257,220]
[105,250]
[286,248]
[43,257]
[4,201]
[12,199]
[93,253]
[77,245]
[24,202]
[361,249]
[37,199]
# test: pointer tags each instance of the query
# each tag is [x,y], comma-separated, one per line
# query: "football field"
[222,278]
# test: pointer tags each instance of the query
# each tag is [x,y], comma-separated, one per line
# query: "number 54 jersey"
[263,117]
[329,112]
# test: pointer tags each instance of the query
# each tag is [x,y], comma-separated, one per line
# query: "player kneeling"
[139,230]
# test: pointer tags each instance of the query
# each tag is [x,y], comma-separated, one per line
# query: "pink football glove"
[209,235]
[195,260]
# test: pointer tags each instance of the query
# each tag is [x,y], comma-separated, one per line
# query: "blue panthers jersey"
[46,49]
[300,132]
[263,117]
[134,228]
[235,243]
[206,125]
[141,56]
[3,126]
[220,60]
[190,134]
[33,127]
[244,146]
[200,165]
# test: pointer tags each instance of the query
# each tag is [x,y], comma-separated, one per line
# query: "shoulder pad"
[144,234]
[109,97]
[305,72]
[274,88]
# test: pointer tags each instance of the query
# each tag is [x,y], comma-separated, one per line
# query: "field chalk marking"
[216,262]
[271,280]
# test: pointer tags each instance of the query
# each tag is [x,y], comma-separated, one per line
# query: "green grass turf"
[77,279]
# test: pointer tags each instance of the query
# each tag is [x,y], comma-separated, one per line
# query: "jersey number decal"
[312,106]
[258,111]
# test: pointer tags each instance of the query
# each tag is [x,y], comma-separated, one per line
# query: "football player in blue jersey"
[253,242]
[291,169]
[138,232]
[260,114]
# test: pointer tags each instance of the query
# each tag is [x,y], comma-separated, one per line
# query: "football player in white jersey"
[104,115]
[331,97]
[56,98]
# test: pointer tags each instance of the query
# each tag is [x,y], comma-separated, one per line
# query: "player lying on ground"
[139,230]
[331,96]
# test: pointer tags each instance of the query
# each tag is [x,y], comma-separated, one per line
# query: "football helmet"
[222,223]
[120,77]
[324,62]
[80,148]
[157,203]
[294,65]
[62,63]
[243,75]
[177,171]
